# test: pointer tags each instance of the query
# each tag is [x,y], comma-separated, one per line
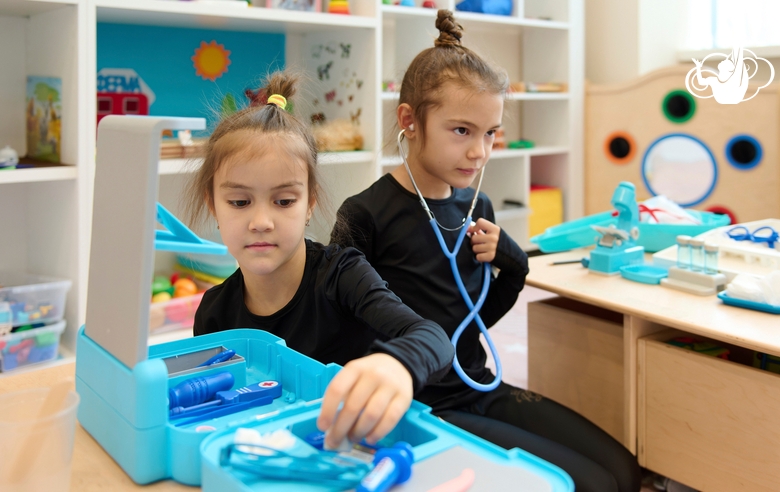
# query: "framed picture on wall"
[304,5]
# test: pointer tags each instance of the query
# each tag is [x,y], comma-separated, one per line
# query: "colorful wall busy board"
[698,152]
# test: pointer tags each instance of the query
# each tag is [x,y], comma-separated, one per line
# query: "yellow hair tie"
[278,100]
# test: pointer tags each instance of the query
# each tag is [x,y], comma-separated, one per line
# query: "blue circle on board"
[680,167]
[747,141]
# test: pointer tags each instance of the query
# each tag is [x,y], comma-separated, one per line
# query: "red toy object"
[338,7]
[121,103]
[428,4]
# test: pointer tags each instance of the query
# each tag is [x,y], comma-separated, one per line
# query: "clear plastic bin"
[176,314]
[28,347]
[33,298]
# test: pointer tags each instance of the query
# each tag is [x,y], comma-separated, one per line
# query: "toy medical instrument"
[391,466]
[452,256]
[741,233]
[322,467]
[227,402]
[194,391]
[617,246]
[220,357]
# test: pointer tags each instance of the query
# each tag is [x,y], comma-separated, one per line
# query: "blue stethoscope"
[451,255]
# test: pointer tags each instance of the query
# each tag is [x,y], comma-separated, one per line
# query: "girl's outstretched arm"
[375,390]
[408,353]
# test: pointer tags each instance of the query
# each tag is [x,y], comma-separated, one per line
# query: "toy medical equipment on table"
[653,236]
[617,246]
[452,257]
[735,253]
[124,384]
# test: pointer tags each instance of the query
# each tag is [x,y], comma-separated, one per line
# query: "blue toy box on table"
[124,384]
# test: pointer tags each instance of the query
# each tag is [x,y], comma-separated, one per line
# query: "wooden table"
[600,349]
[93,469]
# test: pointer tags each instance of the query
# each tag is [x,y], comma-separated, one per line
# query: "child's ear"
[405,118]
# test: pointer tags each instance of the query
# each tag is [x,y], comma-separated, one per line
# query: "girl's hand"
[376,391]
[484,240]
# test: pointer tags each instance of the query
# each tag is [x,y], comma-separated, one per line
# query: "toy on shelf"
[500,141]
[338,7]
[429,4]
[495,7]
[44,118]
[521,144]
[546,203]
[337,135]
[617,246]
[9,158]
[538,87]
[407,3]
[30,346]
[390,86]
[303,5]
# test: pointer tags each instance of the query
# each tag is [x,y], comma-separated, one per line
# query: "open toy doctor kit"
[173,410]
[452,256]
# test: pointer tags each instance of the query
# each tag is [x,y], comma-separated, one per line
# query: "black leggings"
[515,418]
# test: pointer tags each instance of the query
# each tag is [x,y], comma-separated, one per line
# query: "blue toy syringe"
[617,245]
[204,398]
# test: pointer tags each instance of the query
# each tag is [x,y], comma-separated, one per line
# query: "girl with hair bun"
[259,182]
[451,105]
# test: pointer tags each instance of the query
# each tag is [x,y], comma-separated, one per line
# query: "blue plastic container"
[757,306]
[653,237]
[126,411]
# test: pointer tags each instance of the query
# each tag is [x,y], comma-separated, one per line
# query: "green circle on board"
[679,106]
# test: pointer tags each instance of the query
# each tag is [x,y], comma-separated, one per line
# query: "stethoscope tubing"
[474,308]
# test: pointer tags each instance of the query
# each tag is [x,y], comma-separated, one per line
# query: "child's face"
[459,135]
[261,204]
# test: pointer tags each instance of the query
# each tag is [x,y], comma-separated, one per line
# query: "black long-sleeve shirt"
[387,223]
[342,311]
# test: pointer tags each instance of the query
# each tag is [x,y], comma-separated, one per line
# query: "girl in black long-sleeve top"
[259,182]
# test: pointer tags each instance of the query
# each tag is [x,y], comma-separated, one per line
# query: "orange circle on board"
[631,147]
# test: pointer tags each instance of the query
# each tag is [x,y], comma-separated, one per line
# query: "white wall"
[628,38]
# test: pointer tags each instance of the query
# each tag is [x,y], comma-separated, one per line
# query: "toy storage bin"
[33,298]
[710,423]
[175,314]
[29,347]
[575,357]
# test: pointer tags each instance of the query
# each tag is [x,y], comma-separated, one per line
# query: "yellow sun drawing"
[211,60]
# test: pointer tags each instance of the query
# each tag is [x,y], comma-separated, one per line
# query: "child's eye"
[238,203]
[491,133]
[287,202]
[461,131]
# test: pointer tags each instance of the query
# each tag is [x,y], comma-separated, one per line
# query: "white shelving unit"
[46,217]
[541,42]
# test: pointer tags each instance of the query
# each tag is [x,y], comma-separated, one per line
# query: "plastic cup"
[36,449]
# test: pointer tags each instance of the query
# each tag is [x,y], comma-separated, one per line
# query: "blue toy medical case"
[124,384]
